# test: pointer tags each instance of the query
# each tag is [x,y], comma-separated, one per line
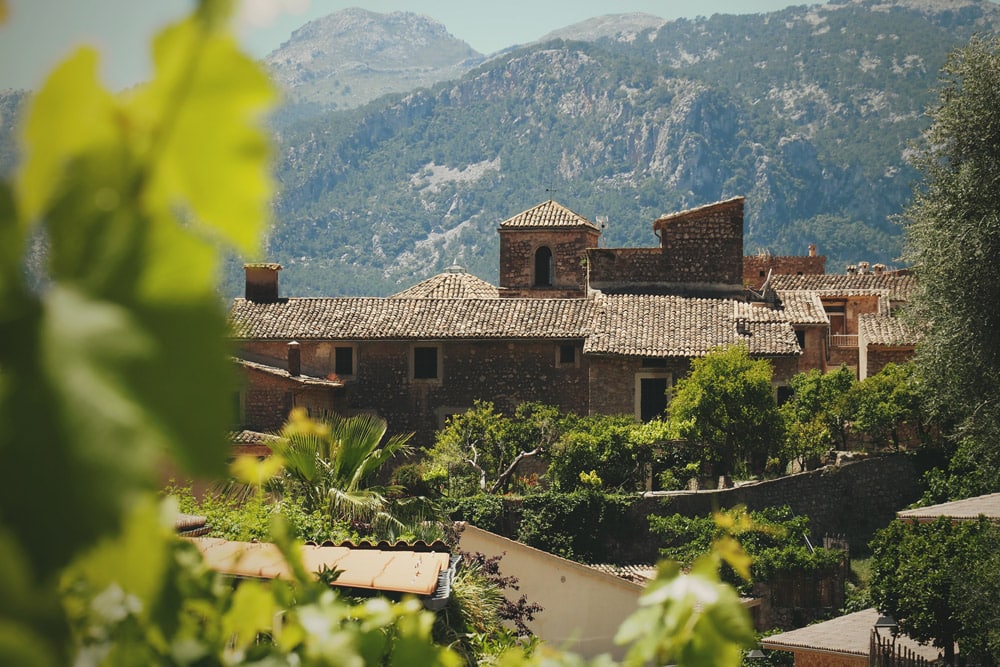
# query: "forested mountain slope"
[806,111]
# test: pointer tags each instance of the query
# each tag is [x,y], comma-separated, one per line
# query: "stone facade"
[704,245]
[756,268]
[507,373]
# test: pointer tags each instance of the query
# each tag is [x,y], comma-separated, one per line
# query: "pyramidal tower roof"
[547,214]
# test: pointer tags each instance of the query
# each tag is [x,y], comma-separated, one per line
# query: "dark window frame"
[426,363]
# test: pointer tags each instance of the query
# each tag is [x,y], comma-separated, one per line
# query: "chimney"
[864,268]
[812,249]
[262,282]
[294,359]
[851,269]
[878,269]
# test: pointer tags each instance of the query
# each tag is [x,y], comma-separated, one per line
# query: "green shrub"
[585,525]
[774,538]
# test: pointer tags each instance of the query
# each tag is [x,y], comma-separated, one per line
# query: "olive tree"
[953,240]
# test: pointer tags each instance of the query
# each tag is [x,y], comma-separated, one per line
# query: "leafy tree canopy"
[940,581]
[818,411]
[726,405]
[953,235]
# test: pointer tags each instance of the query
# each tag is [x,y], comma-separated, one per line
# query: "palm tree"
[330,464]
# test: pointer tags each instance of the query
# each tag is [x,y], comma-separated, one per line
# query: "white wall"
[582,607]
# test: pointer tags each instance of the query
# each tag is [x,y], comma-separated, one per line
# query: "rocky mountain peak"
[354,55]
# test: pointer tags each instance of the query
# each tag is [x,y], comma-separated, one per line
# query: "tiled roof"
[251,438]
[631,325]
[283,373]
[411,319]
[375,569]
[697,209]
[190,525]
[897,287]
[250,443]
[884,330]
[959,510]
[640,574]
[802,307]
[845,635]
[672,326]
[454,283]
[547,214]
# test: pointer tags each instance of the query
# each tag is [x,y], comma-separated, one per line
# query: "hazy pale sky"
[39,33]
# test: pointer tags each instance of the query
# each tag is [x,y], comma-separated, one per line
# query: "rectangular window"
[800,336]
[426,363]
[566,355]
[343,363]
[651,396]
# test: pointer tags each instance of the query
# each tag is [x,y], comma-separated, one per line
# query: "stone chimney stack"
[262,282]
[851,269]
[878,269]
[294,359]
[812,249]
[863,266]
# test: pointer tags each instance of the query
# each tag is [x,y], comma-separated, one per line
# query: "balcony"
[844,340]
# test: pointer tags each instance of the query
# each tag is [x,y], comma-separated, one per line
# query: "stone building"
[588,329]
[849,319]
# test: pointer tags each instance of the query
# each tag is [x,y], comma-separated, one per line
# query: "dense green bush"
[774,538]
[584,525]
[249,519]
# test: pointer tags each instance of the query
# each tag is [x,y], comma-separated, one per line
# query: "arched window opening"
[543,267]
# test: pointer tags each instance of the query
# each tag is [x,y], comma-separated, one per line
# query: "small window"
[425,363]
[543,267]
[343,363]
[800,335]
[566,355]
[761,274]
[653,362]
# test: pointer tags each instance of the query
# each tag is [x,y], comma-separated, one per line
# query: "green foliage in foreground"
[118,362]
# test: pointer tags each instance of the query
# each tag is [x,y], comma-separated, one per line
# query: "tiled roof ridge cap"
[703,207]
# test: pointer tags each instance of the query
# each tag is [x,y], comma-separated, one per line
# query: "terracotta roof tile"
[547,214]
[897,287]
[803,307]
[411,319]
[672,326]
[246,437]
[454,283]
[631,325]
[884,330]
